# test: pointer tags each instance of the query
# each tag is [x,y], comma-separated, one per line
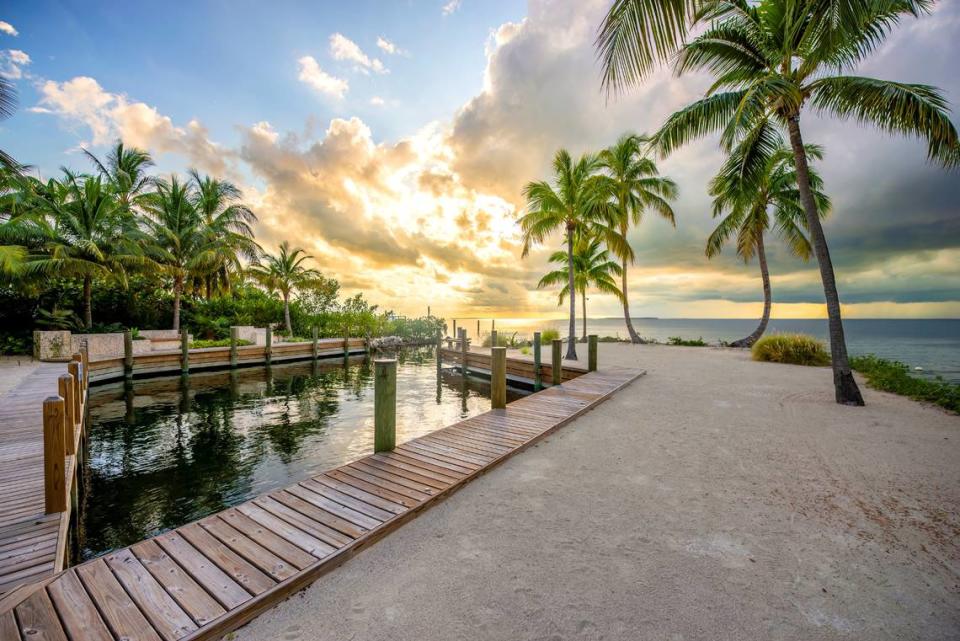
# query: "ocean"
[930,344]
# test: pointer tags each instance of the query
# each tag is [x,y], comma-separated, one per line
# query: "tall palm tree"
[573,204]
[285,272]
[593,267]
[229,226]
[744,203]
[126,168]
[773,60]
[633,184]
[179,242]
[8,104]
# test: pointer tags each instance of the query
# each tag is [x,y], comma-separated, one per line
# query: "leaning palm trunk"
[88,301]
[583,303]
[572,333]
[765,276]
[286,314]
[845,387]
[634,336]
[177,289]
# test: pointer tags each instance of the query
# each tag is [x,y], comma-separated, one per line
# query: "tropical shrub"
[894,376]
[549,335]
[795,349]
[222,342]
[686,342]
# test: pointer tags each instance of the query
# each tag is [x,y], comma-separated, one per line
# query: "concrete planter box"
[52,345]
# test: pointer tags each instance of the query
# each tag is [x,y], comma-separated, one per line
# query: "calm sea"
[931,344]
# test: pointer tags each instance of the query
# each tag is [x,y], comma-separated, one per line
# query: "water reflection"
[167,451]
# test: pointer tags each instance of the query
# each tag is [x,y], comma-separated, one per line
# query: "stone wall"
[61,345]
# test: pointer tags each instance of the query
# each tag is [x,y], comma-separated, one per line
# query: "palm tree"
[179,242]
[575,204]
[8,104]
[592,268]
[745,202]
[89,235]
[634,184]
[229,226]
[285,272]
[771,59]
[126,168]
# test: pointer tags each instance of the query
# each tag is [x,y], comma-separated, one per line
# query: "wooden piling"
[127,354]
[592,340]
[493,338]
[316,336]
[74,368]
[439,348]
[268,348]
[66,386]
[54,475]
[463,352]
[455,334]
[498,378]
[234,337]
[556,362]
[184,352]
[384,404]
[537,377]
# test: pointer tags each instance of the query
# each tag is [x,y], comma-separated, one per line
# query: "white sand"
[14,369]
[715,498]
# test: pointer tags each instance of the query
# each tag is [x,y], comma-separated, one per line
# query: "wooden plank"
[228,561]
[204,571]
[423,469]
[9,630]
[374,499]
[159,607]
[201,607]
[117,608]
[298,520]
[396,476]
[347,501]
[294,535]
[78,613]
[341,511]
[289,552]
[384,483]
[38,620]
[257,555]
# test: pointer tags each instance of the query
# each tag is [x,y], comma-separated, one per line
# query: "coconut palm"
[634,185]
[745,208]
[126,168]
[285,272]
[772,61]
[228,223]
[8,104]
[574,204]
[592,267]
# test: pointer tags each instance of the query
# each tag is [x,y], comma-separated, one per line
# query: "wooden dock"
[206,578]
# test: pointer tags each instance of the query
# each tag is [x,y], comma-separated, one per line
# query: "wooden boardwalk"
[206,578]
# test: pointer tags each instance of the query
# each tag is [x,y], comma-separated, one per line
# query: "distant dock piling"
[384,404]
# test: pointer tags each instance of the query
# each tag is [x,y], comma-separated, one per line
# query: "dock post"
[498,378]
[455,334]
[184,352]
[54,476]
[268,348]
[73,367]
[127,354]
[493,338]
[463,352]
[556,361]
[537,376]
[85,360]
[65,387]
[315,332]
[439,347]
[234,336]
[592,352]
[78,359]
[384,404]
[478,327]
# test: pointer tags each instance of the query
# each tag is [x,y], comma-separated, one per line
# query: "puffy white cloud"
[319,80]
[377,101]
[12,62]
[450,7]
[343,48]
[389,47]
[8,29]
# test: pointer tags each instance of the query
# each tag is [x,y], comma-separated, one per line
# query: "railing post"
[78,359]
[439,347]
[268,348]
[54,476]
[498,378]
[74,368]
[184,352]
[85,360]
[463,352]
[592,352]
[493,338]
[537,376]
[316,334]
[127,354]
[556,362]
[65,387]
[234,336]
[384,404]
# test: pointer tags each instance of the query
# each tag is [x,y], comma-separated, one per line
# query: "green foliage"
[504,340]
[795,349]
[11,344]
[525,350]
[686,342]
[220,342]
[549,335]
[59,319]
[894,376]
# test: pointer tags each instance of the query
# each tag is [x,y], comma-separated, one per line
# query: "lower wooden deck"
[206,578]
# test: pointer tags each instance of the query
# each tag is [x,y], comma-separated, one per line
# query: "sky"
[392,140]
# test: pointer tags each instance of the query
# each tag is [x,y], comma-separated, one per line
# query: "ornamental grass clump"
[795,349]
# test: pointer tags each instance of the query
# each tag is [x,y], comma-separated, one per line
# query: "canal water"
[164,452]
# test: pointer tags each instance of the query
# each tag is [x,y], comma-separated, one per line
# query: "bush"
[795,349]
[686,342]
[549,335]
[222,342]
[894,376]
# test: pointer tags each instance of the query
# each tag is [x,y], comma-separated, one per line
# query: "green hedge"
[894,376]
[795,349]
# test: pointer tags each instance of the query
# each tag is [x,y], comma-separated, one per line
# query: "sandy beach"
[714,498]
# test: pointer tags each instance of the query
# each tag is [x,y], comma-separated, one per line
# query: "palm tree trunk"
[572,334]
[88,301]
[286,314]
[845,387]
[634,336]
[177,288]
[583,296]
[767,299]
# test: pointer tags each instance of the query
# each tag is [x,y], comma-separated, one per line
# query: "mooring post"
[463,352]
[234,337]
[316,334]
[537,377]
[493,338]
[184,352]
[439,347]
[65,387]
[74,368]
[455,334]
[268,348]
[54,477]
[498,378]
[78,359]
[384,404]
[556,362]
[478,327]
[592,352]
[127,354]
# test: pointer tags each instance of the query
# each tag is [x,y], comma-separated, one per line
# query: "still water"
[164,452]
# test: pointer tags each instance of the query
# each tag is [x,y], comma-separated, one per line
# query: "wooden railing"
[63,424]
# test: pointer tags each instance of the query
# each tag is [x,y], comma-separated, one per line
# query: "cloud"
[377,101]
[343,48]
[389,47]
[12,62]
[450,7]
[319,80]
[8,29]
